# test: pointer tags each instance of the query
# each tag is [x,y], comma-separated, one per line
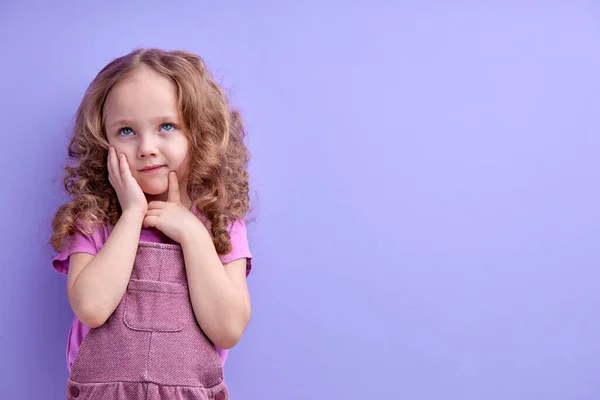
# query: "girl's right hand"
[130,194]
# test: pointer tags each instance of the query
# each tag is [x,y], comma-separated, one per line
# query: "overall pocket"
[154,306]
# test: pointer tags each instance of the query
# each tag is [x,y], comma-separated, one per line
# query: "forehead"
[142,93]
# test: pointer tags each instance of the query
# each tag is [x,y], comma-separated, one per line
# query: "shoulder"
[80,243]
[240,248]
[238,235]
[238,232]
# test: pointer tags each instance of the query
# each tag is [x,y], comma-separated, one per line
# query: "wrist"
[195,234]
[132,216]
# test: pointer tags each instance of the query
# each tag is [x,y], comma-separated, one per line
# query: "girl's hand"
[171,217]
[130,195]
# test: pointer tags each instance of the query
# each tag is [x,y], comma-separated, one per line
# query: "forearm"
[100,286]
[219,306]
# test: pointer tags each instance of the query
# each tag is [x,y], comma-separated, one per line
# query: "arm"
[218,292]
[96,284]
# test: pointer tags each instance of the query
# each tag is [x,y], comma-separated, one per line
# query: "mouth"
[152,168]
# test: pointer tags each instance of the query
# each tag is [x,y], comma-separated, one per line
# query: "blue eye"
[125,131]
[168,127]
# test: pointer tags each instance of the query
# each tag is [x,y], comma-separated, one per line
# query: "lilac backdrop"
[427,190]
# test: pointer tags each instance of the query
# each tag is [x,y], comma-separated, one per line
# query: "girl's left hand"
[171,217]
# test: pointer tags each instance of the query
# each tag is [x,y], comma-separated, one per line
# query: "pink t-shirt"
[92,244]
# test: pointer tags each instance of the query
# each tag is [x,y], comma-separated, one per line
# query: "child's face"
[142,122]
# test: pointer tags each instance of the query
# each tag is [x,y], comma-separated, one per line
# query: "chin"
[154,189]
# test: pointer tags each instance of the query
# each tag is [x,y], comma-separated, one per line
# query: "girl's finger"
[124,165]
[153,213]
[156,204]
[150,221]
[173,196]
[112,164]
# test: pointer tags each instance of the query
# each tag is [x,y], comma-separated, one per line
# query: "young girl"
[152,241]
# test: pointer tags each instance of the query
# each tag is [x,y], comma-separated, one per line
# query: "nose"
[147,147]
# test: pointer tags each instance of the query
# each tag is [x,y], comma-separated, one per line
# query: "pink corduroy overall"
[151,347]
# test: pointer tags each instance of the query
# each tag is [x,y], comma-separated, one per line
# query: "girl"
[152,241]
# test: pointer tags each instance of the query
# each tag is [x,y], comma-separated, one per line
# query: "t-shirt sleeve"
[79,243]
[239,245]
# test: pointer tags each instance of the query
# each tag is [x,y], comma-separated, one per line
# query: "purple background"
[427,190]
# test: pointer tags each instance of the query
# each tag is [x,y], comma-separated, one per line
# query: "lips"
[152,168]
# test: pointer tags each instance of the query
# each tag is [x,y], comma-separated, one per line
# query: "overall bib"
[151,347]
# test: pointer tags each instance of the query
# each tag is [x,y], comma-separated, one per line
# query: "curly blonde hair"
[218,178]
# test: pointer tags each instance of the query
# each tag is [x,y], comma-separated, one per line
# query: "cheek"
[183,157]
[184,167]
[122,148]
